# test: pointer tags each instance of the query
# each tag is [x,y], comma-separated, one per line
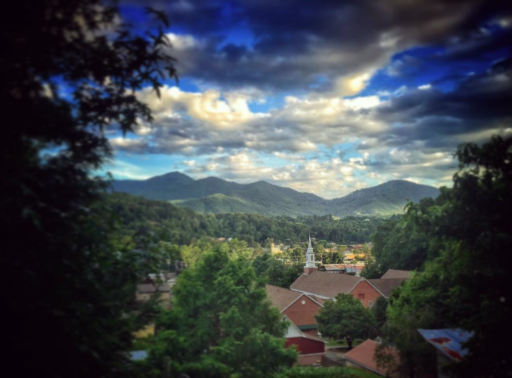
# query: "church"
[326,286]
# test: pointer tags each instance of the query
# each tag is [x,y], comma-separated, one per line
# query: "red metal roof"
[364,356]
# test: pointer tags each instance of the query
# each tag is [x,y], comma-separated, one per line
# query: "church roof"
[281,297]
[386,285]
[325,284]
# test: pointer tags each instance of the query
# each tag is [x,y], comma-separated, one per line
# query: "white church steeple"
[310,258]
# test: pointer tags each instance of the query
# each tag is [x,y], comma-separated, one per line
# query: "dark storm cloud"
[485,97]
[296,42]
[441,120]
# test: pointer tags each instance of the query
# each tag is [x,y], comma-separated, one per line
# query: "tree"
[319,251]
[417,357]
[221,323]
[70,73]
[275,272]
[463,226]
[371,268]
[346,316]
[379,311]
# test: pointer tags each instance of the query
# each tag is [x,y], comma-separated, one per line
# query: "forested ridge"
[140,216]
[214,195]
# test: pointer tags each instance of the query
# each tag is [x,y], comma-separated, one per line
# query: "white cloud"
[229,110]
[182,42]
[329,179]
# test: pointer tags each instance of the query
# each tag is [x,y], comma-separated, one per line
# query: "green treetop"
[371,268]
[71,71]
[464,283]
[221,325]
[346,316]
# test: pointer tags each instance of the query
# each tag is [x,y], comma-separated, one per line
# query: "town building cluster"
[307,296]
[302,302]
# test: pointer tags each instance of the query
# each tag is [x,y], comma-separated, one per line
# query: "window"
[370,304]
[361,296]
[303,302]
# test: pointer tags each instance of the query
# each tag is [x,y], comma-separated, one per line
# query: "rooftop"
[325,285]
[364,356]
[386,286]
[281,297]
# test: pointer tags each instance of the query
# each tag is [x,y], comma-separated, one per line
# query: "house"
[387,285]
[334,268]
[299,310]
[310,348]
[297,307]
[363,357]
[393,273]
[147,290]
[321,285]
[324,285]
[327,286]
[354,268]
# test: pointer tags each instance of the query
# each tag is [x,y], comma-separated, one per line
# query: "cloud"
[311,57]
[412,134]
[330,179]
[202,123]
[327,46]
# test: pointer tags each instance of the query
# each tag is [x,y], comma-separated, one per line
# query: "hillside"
[157,188]
[214,195]
[385,199]
[140,216]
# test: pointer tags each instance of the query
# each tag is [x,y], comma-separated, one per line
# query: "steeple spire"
[310,258]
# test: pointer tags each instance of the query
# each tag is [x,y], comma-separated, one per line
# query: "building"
[355,268]
[310,259]
[310,348]
[327,286]
[363,357]
[318,284]
[333,268]
[299,308]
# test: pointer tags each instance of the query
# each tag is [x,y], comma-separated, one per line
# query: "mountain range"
[214,195]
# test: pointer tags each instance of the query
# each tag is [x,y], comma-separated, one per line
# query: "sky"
[322,96]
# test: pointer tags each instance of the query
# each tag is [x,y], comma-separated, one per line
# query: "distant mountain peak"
[215,195]
[174,174]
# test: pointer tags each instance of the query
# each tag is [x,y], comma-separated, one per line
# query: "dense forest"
[140,216]
[458,245]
